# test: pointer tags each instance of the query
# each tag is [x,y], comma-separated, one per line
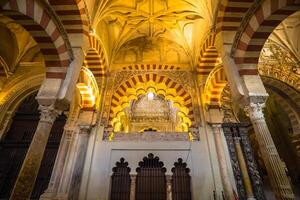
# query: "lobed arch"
[158,84]
[36,18]
[250,40]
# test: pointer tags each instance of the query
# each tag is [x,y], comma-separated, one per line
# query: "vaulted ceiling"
[153,30]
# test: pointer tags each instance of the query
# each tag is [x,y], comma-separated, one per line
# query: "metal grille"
[120,187]
[151,179]
[181,181]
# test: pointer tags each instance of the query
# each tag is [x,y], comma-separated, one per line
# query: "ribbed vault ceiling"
[153,25]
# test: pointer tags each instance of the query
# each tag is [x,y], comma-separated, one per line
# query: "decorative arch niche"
[160,86]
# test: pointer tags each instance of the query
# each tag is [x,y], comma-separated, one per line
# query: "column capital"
[215,125]
[85,128]
[48,113]
[255,110]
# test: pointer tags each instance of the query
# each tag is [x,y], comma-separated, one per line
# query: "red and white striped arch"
[96,59]
[73,15]
[214,86]
[230,16]
[209,56]
[144,78]
[257,30]
[35,18]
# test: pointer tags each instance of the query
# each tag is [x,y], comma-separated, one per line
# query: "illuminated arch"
[88,89]
[214,86]
[96,59]
[209,56]
[158,84]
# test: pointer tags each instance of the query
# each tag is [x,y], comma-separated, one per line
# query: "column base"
[53,196]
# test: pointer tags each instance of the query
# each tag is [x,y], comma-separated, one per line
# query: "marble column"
[30,168]
[83,138]
[279,180]
[132,187]
[228,190]
[244,170]
[59,165]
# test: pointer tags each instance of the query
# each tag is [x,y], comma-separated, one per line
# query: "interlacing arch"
[214,86]
[46,31]
[252,37]
[159,85]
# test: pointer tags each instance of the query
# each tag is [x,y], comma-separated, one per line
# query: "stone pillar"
[169,187]
[83,138]
[279,180]
[132,187]
[228,190]
[30,168]
[244,170]
[59,165]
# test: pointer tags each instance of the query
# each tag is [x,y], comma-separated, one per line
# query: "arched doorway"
[15,143]
[14,146]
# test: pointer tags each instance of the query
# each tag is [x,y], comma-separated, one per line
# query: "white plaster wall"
[102,155]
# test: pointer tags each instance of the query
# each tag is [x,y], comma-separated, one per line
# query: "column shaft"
[169,187]
[243,167]
[59,166]
[79,163]
[273,163]
[30,168]
[132,187]
[228,190]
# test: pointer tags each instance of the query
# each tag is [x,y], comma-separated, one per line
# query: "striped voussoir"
[95,59]
[231,14]
[257,30]
[208,58]
[37,21]
[73,15]
[214,87]
[144,78]
[151,67]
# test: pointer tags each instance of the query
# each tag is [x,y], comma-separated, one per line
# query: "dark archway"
[151,179]
[14,146]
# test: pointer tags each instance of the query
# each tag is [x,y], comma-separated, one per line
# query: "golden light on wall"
[88,89]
